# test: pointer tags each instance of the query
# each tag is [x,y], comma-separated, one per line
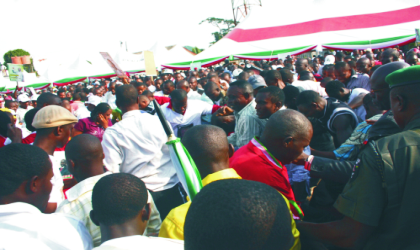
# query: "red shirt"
[162,99]
[2,140]
[253,162]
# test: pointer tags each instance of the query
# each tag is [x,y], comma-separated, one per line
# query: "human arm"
[79,128]
[346,233]
[342,127]
[102,121]
[15,95]
[357,101]
[113,153]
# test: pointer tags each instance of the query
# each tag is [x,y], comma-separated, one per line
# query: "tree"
[224,26]
[196,50]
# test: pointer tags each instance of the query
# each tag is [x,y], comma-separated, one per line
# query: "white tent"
[331,24]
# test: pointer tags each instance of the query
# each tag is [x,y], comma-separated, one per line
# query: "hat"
[23,98]
[236,72]
[168,71]
[257,81]
[94,100]
[53,116]
[330,59]
[405,76]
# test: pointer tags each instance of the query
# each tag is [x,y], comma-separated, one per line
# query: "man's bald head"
[390,55]
[46,99]
[379,87]
[183,84]
[301,64]
[208,147]
[287,143]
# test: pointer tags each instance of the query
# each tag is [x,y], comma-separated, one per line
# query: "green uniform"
[384,190]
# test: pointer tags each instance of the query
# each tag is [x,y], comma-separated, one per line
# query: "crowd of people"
[300,153]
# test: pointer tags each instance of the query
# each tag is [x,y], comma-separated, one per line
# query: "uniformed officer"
[381,202]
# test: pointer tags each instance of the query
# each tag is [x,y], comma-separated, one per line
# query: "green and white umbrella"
[185,167]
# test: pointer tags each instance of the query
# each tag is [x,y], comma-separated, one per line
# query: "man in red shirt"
[263,159]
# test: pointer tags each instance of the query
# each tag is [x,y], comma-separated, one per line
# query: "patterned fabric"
[79,204]
[349,150]
[247,126]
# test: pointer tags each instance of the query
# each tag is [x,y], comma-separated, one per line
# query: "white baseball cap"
[168,71]
[330,59]
[23,98]
[94,100]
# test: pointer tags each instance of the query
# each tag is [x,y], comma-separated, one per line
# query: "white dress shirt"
[359,111]
[82,112]
[57,195]
[23,226]
[110,99]
[159,93]
[137,145]
[152,88]
[79,205]
[195,109]
[311,85]
[193,95]
[142,242]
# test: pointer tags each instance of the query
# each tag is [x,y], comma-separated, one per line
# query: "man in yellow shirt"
[210,150]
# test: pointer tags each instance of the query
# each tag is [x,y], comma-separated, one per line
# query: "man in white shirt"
[137,145]
[25,186]
[183,113]
[54,125]
[192,95]
[110,95]
[120,209]
[84,156]
[167,87]
[90,104]
[353,97]
[23,100]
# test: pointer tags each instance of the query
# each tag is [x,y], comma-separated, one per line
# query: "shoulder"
[397,141]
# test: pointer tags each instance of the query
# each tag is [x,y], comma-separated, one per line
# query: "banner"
[16,72]
[120,73]
[150,65]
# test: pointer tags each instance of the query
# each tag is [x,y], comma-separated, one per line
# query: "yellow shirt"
[173,225]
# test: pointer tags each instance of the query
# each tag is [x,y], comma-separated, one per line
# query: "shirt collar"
[130,113]
[414,124]
[17,208]
[83,187]
[248,106]
[229,173]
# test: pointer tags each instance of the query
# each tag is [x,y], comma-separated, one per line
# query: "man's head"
[390,55]
[238,215]
[336,89]
[325,80]
[12,105]
[287,143]
[226,76]
[363,65]
[287,76]
[46,99]
[404,94]
[126,97]
[412,58]
[5,120]
[29,118]
[84,156]
[193,82]
[371,59]
[213,91]
[23,100]
[240,94]
[339,57]
[371,109]
[61,93]
[120,200]
[306,76]
[243,76]
[211,152]
[183,84]
[343,72]
[310,104]
[273,78]
[257,83]
[269,100]
[328,71]
[301,64]
[167,87]
[25,175]
[178,77]
[179,101]
[379,89]
[291,93]
[54,123]
[140,87]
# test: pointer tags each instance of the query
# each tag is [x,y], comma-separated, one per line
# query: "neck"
[129,228]
[92,169]
[415,116]
[213,167]
[45,143]
[130,108]
[271,148]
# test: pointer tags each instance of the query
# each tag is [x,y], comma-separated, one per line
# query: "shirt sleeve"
[247,128]
[363,198]
[154,223]
[365,83]
[80,126]
[113,153]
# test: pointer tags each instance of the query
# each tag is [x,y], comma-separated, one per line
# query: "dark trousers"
[168,199]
